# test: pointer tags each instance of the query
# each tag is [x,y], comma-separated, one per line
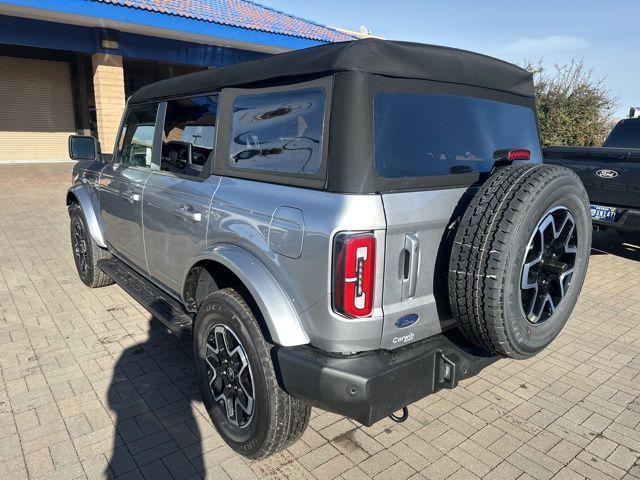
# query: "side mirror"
[83,147]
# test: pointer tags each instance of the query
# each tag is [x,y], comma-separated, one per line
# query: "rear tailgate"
[415,299]
[433,142]
[610,175]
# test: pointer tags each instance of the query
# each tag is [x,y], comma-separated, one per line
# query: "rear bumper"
[628,220]
[369,386]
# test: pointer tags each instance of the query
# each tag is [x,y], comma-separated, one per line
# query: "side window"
[135,143]
[189,135]
[278,132]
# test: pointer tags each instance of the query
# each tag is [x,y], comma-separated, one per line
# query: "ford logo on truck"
[606,173]
[407,320]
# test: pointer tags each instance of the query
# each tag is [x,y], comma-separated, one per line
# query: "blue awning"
[236,23]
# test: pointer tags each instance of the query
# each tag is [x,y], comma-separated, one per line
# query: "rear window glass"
[625,135]
[278,132]
[421,134]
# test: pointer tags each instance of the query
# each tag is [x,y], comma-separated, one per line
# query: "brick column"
[108,88]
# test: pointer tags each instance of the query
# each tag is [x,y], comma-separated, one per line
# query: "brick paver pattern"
[91,387]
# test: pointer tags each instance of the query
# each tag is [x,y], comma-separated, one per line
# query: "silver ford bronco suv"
[352,226]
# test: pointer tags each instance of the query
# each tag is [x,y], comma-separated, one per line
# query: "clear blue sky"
[606,34]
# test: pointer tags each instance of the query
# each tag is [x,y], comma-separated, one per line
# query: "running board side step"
[159,303]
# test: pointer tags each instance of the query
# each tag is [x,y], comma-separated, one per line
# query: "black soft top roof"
[380,57]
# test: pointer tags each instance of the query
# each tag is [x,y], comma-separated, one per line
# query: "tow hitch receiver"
[446,377]
[447,372]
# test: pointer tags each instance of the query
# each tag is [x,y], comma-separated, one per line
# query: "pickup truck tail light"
[354,262]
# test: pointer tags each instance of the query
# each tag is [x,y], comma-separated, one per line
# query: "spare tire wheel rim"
[548,265]
[229,374]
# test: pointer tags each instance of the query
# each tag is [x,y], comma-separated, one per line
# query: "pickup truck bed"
[611,176]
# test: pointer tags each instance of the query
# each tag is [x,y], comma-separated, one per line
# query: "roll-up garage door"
[36,110]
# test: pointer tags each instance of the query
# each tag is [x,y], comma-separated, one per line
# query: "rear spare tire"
[519,258]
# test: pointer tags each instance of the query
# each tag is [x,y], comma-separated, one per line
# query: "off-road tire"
[90,273]
[487,258]
[279,419]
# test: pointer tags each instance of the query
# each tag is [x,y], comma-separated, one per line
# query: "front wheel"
[86,253]
[237,380]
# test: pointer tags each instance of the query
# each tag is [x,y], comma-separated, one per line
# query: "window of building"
[135,143]
[278,131]
[188,138]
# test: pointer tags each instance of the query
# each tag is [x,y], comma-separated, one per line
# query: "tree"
[573,108]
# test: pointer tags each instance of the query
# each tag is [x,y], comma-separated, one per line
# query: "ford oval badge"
[407,320]
[607,173]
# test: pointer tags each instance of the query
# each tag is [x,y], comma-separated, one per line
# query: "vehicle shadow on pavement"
[152,393]
[608,242]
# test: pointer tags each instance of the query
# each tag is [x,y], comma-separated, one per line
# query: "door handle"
[189,213]
[411,259]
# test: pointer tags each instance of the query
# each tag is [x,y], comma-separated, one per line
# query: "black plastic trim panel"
[369,386]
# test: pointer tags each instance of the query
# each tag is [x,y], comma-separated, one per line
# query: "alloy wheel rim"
[229,375]
[548,265]
[80,247]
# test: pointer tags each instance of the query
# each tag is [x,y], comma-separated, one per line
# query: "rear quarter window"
[424,134]
[278,131]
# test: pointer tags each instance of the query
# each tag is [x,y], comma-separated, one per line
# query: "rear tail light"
[354,274]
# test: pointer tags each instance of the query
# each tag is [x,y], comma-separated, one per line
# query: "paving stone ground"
[91,387]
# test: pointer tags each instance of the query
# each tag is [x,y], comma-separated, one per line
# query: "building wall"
[108,89]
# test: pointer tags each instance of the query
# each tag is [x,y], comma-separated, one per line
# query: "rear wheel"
[519,258]
[86,253]
[238,382]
